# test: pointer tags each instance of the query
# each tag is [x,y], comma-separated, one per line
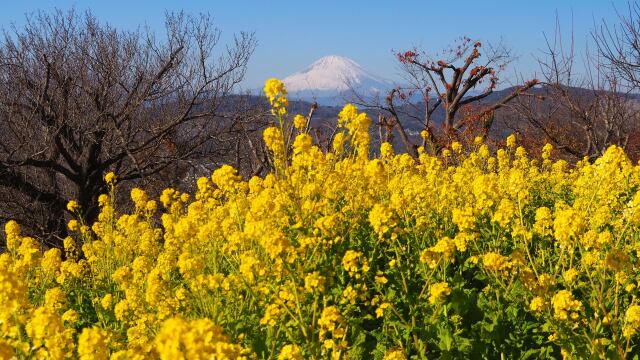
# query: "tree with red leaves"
[447,84]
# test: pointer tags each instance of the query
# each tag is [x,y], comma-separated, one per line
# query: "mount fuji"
[330,78]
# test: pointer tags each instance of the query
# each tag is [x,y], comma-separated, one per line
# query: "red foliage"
[407,56]
[475,70]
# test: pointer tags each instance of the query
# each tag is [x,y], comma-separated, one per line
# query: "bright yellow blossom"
[438,291]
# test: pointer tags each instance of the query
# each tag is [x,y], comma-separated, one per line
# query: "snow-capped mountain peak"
[333,73]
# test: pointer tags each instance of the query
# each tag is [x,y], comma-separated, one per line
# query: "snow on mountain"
[331,76]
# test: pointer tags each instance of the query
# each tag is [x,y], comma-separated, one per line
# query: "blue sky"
[292,34]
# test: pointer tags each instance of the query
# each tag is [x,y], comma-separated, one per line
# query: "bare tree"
[446,85]
[619,44]
[582,114]
[79,98]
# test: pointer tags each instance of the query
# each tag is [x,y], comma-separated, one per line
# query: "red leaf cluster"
[407,56]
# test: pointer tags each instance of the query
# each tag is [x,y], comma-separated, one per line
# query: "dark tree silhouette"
[79,98]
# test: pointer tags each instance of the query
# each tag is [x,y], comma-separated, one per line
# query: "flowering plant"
[338,255]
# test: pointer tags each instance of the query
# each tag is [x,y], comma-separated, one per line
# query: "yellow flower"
[632,321]
[110,178]
[277,95]
[505,213]
[274,140]
[290,352]
[314,282]
[106,301]
[274,88]
[46,330]
[93,344]
[151,206]
[70,247]
[616,260]
[272,315]
[354,263]
[103,200]
[302,144]
[6,351]
[464,218]
[51,261]
[386,149]
[495,262]
[226,178]
[70,316]
[381,309]
[429,258]
[357,125]
[462,239]
[380,278]
[544,221]
[537,304]
[300,122]
[381,219]
[73,206]
[348,113]
[12,230]
[330,322]
[73,225]
[456,147]
[570,275]
[604,238]
[511,141]
[568,225]
[291,253]
[338,143]
[139,198]
[565,306]
[395,354]
[438,291]
[546,151]
[195,339]
[55,298]
[445,246]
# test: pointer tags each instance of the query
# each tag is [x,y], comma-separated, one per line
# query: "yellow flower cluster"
[196,339]
[381,219]
[335,254]
[290,352]
[354,263]
[632,321]
[300,122]
[357,126]
[395,354]
[277,95]
[565,306]
[438,291]
[495,262]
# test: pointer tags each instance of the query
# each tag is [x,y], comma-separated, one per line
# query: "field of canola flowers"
[336,255]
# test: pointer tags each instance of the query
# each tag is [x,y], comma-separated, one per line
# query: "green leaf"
[446,339]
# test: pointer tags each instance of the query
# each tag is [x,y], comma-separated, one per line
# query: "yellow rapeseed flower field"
[339,255]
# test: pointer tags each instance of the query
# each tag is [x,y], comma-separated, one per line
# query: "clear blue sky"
[292,34]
